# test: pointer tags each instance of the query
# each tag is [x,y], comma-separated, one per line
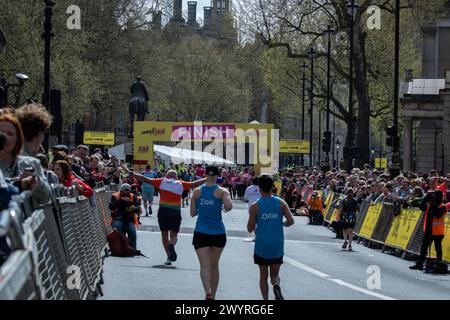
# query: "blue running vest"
[209,210]
[269,240]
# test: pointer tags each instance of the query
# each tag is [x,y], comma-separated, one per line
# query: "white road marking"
[340,282]
[315,272]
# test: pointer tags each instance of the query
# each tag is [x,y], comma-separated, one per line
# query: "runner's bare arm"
[252,217]
[197,183]
[287,214]
[139,177]
[226,198]
[194,198]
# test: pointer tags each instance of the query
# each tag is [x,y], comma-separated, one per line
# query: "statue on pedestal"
[138,105]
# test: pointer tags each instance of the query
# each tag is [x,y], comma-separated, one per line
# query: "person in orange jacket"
[315,208]
[434,226]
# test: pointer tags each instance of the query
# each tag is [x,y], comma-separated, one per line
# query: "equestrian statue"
[138,105]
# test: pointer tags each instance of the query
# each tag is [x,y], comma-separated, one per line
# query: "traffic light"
[391,139]
[355,153]
[326,142]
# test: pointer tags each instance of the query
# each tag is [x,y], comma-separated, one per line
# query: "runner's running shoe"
[173,254]
[277,292]
[168,262]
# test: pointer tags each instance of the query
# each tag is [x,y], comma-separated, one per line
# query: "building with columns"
[426,104]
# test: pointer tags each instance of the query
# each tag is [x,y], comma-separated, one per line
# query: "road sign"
[381,163]
[98,138]
[294,146]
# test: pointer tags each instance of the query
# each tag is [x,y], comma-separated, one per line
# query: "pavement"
[315,268]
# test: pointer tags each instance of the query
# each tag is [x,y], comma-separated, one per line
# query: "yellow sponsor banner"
[294,146]
[99,138]
[403,228]
[371,220]
[278,185]
[336,211]
[381,163]
[445,242]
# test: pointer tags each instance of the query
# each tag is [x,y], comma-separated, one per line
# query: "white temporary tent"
[118,151]
[178,155]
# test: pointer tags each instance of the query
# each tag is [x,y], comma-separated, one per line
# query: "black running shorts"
[202,240]
[169,219]
[266,262]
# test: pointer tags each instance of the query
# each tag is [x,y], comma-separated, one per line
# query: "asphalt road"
[315,268]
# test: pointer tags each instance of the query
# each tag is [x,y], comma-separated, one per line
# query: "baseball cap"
[219,180]
[61,147]
[212,171]
[125,187]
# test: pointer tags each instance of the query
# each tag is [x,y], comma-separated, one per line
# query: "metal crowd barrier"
[18,274]
[58,249]
[378,224]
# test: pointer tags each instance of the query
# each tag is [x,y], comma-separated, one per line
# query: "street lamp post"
[373,157]
[320,131]
[48,34]
[312,54]
[395,167]
[327,137]
[303,66]
[352,11]
[381,139]
[4,88]
[338,146]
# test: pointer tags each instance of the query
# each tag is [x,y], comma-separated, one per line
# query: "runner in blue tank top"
[209,234]
[266,219]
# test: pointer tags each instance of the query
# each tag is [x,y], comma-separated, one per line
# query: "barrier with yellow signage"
[445,242]
[336,210]
[370,221]
[278,185]
[329,206]
[402,228]
[376,223]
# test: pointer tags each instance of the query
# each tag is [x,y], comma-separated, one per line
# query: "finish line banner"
[294,146]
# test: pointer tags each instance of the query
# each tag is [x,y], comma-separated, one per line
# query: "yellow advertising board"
[146,133]
[403,228]
[278,185]
[336,211]
[328,205]
[371,220]
[381,163]
[294,146]
[445,242]
[99,138]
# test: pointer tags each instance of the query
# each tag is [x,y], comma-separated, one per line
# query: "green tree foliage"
[189,77]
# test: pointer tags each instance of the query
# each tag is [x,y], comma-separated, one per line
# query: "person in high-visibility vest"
[124,206]
[434,226]
[315,208]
